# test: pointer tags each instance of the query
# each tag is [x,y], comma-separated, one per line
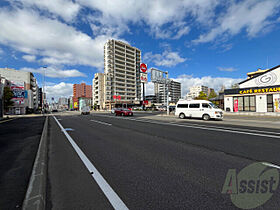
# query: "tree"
[212,94]
[202,96]
[8,95]
[235,86]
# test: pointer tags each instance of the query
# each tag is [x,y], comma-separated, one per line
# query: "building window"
[246,103]
[269,103]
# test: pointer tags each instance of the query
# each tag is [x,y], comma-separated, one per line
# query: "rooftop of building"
[122,42]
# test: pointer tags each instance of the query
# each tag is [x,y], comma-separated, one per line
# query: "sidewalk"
[270,114]
[237,120]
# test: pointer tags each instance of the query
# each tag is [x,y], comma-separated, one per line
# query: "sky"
[202,42]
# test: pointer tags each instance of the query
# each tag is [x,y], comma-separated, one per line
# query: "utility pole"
[167,100]
[44,89]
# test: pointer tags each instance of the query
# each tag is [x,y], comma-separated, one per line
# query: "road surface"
[136,163]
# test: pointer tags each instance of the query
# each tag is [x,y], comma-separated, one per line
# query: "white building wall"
[261,103]
[228,100]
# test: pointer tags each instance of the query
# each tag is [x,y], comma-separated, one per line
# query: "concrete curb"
[267,114]
[35,197]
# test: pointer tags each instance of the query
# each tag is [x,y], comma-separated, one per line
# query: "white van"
[198,109]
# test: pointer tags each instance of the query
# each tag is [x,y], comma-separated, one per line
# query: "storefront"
[259,93]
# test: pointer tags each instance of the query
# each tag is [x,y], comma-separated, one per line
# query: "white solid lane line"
[100,122]
[271,165]
[224,129]
[111,195]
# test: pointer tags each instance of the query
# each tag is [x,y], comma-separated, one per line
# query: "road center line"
[205,128]
[100,122]
[111,195]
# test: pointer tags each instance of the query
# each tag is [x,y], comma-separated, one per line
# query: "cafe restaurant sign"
[255,90]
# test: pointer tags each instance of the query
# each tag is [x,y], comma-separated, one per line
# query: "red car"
[123,112]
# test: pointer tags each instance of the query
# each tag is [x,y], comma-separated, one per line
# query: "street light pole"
[44,89]
[167,100]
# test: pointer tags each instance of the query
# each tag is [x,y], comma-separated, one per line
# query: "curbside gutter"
[35,197]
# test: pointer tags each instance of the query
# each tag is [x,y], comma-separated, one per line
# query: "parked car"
[85,110]
[123,112]
[198,109]
[162,108]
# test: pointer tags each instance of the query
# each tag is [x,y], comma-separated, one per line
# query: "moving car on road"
[113,110]
[198,109]
[123,112]
[85,110]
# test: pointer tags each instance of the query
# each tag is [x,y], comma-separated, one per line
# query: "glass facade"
[246,103]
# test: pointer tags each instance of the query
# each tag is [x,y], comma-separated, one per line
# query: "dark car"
[123,112]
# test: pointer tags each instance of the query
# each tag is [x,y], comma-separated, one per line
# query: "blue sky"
[206,42]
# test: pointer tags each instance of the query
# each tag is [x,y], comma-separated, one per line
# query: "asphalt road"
[151,164]
[19,140]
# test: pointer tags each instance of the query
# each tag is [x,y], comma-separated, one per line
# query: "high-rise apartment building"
[81,91]
[122,76]
[98,86]
[174,89]
[195,90]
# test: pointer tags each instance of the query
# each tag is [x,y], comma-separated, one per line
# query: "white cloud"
[29,58]
[149,88]
[63,8]
[228,69]
[57,43]
[59,90]
[154,14]
[252,15]
[175,31]
[55,72]
[188,81]
[167,58]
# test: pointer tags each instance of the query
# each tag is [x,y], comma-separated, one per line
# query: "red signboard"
[143,67]
[116,97]
[145,102]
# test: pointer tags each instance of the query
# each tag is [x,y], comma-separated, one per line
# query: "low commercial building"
[260,92]
[63,103]
[2,84]
[25,89]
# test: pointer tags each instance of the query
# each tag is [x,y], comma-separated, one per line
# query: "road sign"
[157,76]
[143,67]
[143,77]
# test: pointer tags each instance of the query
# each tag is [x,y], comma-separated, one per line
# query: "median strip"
[221,129]
[35,197]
